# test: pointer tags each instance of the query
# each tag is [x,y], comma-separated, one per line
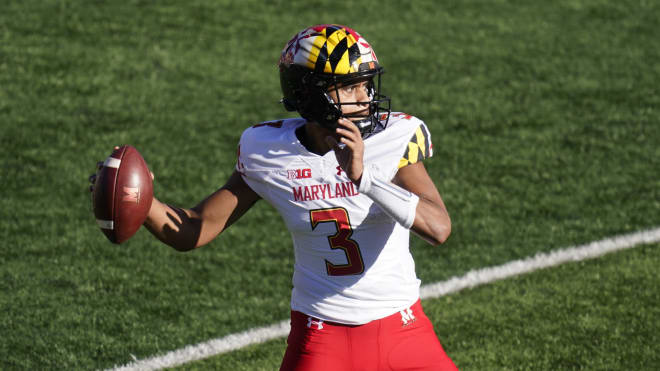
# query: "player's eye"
[348,89]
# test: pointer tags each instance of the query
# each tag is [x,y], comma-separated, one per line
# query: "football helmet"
[325,56]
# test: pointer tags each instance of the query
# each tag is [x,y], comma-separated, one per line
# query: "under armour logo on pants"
[311,321]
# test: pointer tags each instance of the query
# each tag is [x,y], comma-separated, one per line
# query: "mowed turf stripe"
[470,279]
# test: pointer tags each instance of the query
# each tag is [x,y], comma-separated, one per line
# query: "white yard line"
[470,279]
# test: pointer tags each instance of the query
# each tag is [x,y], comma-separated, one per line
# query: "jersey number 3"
[340,240]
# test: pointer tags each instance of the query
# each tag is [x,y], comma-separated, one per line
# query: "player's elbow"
[438,230]
[441,233]
[432,223]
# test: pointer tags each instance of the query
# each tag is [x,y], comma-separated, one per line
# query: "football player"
[349,181]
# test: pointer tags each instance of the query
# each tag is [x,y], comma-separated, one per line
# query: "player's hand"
[92,178]
[349,150]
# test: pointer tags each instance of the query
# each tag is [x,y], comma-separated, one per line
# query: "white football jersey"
[352,261]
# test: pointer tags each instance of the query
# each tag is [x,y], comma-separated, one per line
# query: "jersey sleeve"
[265,150]
[419,147]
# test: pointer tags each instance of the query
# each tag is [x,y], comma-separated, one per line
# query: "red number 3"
[340,240]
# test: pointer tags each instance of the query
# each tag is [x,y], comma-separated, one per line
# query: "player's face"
[357,93]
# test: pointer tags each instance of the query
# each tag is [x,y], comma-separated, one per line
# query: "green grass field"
[545,118]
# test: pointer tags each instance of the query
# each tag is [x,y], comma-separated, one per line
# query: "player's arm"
[431,221]
[417,206]
[186,229]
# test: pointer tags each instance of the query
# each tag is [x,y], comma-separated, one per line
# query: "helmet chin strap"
[365,125]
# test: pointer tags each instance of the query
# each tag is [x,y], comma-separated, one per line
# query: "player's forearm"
[432,222]
[179,228]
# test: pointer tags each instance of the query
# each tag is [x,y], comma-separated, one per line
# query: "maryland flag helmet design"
[323,56]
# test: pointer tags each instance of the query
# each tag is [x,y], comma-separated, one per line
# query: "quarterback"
[349,181]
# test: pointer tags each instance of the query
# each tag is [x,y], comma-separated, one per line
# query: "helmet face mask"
[322,58]
[365,119]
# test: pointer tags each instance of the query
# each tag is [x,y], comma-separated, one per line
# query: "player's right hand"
[92,178]
[349,150]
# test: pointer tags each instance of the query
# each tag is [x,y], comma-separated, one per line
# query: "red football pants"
[402,341]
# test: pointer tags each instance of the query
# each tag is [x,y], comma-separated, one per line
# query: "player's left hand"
[349,150]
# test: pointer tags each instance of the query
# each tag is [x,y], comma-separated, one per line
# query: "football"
[123,192]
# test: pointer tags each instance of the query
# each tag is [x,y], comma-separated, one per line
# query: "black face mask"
[305,91]
[376,114]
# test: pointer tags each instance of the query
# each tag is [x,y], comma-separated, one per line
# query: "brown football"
[123,193]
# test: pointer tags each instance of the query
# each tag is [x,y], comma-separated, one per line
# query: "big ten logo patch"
[299,173]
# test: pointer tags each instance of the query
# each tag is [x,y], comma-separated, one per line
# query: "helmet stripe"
[315,50]
[330,31]
[335,45]
[321,59]
[354,57]
[339,55]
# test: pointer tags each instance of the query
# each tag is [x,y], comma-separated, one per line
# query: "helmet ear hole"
[317,106]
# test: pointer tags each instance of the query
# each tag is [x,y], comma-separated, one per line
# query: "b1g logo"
[299,173]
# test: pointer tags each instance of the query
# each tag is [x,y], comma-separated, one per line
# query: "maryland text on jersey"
[325,191]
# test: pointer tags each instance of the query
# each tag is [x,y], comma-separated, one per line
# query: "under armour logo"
[339,170]
[311,321]
[407,316]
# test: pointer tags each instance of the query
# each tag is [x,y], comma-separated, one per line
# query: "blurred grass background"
[544,118]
